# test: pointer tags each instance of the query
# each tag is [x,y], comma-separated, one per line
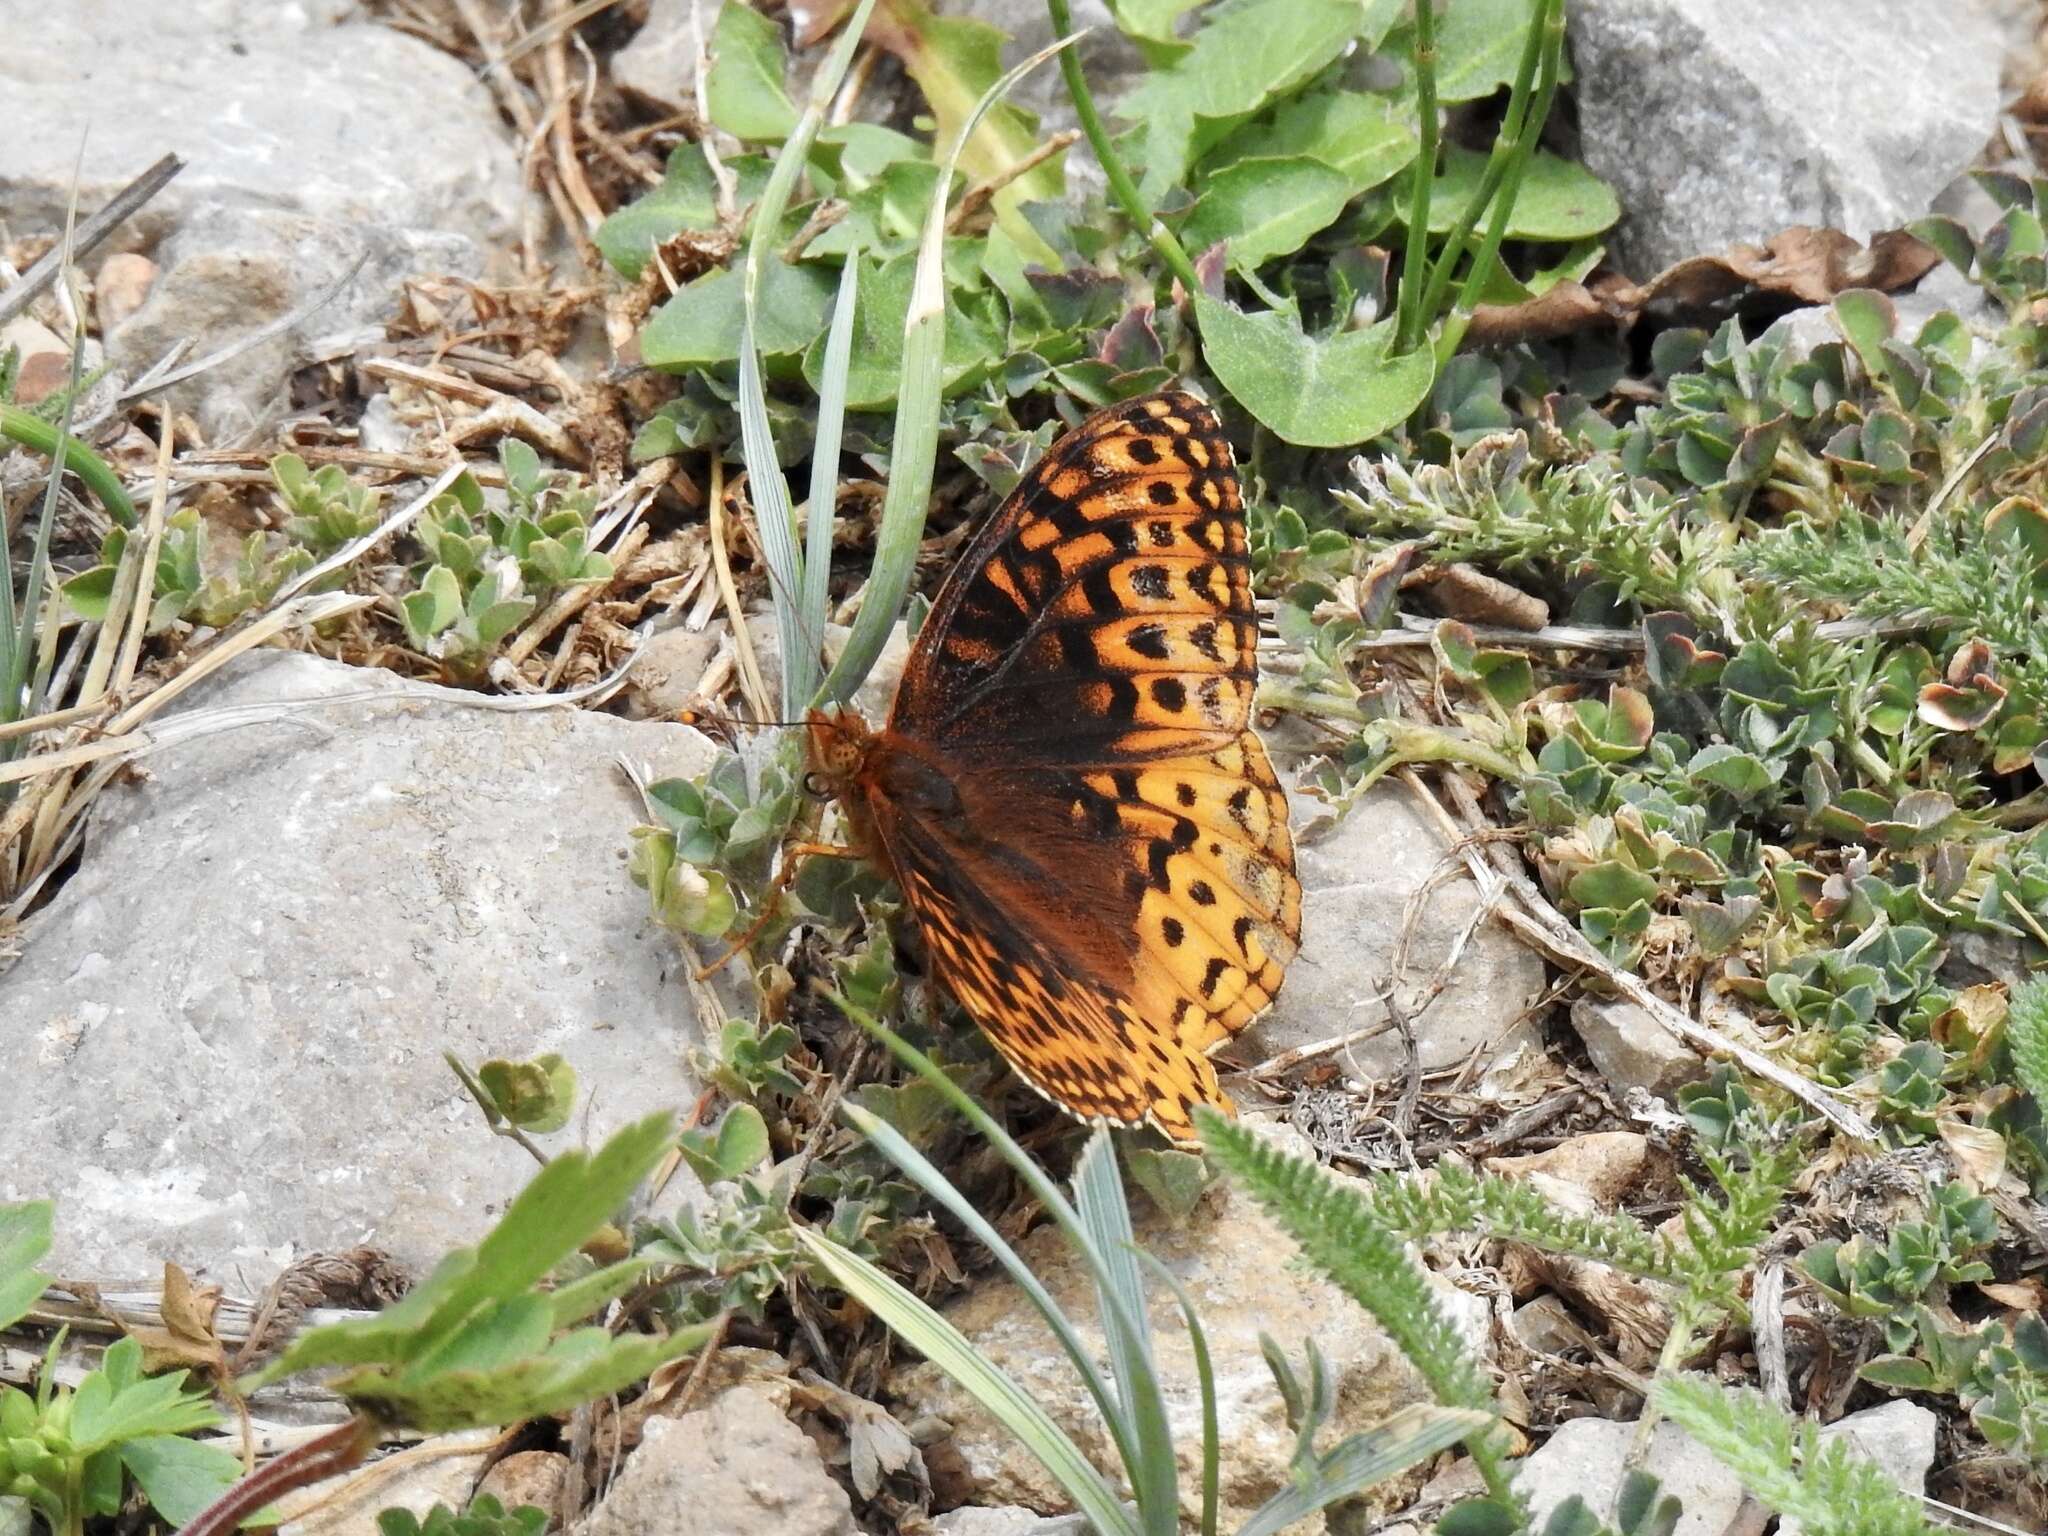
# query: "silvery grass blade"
[825,455]
[798,629]
[1120,1291]
[899,1151]
[946,1347]
[914,447]
[1205,1384]
[1364,1459]
[1043,1188]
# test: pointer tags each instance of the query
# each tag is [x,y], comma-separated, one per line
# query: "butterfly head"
[839,743]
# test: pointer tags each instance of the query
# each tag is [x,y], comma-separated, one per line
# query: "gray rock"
[1726,120]
[226,1030]
[660,63]
[1111,61]
[1232,1260]
[1899,1436]
[14,1516]
[1632,1050]
[229,271]
[1585,1457]
[737,1468]
[1356,881]
[1006,1520]
[356,136]
[349,1505]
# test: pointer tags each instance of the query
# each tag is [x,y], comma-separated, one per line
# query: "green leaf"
[1478,46]
[1247,56]
[115,1403]
[1174,1180]
[699,326]
[1266,208]
[739,1143]
[91,592]
[687,199]
[743,90]
[1314,392]
[24,1239]
[1612,885]
[1367,138]
[1559,199]
[1151,21]
[179,1477]
[881,308]
[566,1202]
[955,60]
[1359,1461]
[1017,1410]
[536,1095]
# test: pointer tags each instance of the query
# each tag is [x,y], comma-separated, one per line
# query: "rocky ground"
[223,1034]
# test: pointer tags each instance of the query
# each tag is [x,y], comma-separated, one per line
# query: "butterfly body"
[1068,790]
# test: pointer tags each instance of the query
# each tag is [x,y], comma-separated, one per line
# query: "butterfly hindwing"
[1069,791]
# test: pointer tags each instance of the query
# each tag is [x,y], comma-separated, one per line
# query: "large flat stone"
[224,1038]
[1357,878]
[1726,120]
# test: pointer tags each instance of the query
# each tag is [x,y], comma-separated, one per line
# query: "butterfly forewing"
[1107,881]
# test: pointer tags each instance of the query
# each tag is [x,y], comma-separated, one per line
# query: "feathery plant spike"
[1786,1463]
[798,629]
[2027,1028]
[1340,1235]
[913,449]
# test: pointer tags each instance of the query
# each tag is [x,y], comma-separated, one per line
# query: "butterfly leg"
[792,860]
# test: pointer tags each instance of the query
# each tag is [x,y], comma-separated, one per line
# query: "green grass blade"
[798,630]
[1205,1384]
[15,674]
[1106,1218]
[899,1151]
[914,448]
[1364,1459]
[825,449]
[947,1348]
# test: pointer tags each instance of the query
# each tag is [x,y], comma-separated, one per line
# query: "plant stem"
[1415,259]
[1170,250]
[1490,179]
[333,1453]
[32,431]
[1552,18]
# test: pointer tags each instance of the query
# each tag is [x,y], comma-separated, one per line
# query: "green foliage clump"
[484,1517]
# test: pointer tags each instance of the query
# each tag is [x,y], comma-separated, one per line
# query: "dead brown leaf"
[1803,263]
[186,1338]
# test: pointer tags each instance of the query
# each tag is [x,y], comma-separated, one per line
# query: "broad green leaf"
[739,1143]
[578,1367]
[1478,46]
[700,326]
[954,60]
[1266,208]
[1248,55]
[880,312]
[687,199]
[1366,137]
[1315,392]
[1151,21]
[743,89]
[1559,199]
[24,1239]
[884,217]
[179,1477]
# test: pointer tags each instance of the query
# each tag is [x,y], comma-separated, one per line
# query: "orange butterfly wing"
[1068,789]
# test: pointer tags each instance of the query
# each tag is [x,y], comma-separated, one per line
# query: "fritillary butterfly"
[1068,790]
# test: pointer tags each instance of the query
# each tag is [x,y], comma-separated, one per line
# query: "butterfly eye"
[817,787]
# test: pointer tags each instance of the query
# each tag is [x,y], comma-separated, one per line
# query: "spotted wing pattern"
[1105,879]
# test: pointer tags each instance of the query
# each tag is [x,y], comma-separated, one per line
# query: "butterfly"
[1068,791]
